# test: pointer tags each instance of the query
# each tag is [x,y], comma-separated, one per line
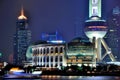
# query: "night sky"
[65,16]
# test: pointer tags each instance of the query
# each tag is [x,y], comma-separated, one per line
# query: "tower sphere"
[95,27]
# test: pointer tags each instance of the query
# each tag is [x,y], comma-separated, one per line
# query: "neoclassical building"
[48,55]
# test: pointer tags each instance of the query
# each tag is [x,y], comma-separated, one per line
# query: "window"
[47,50]
[56,50]
[51,50]
[56,59]
[94,1]
[44,51]
[94,11]
[51,58]
[61,50]
[37,51]
[47,58]
[60,58]
[41,51]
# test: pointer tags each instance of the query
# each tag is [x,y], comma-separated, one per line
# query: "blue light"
[56,41]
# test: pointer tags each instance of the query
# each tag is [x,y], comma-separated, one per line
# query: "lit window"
[94,1]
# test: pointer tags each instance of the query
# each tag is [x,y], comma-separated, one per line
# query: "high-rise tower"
[22,39]
[113,35]
[96,28]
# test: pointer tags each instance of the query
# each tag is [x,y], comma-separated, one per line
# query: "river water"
[54,77]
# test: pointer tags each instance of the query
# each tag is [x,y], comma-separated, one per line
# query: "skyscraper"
[22,39]
[96,29]
[113,35]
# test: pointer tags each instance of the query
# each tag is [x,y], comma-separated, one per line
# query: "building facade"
[48,55]
[22,39]
[80,51]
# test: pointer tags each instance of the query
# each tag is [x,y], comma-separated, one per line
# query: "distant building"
[22,39]
[113,35]
[52,37]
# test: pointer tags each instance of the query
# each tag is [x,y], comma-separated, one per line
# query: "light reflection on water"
[54,77]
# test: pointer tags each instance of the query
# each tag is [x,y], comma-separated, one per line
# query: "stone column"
[49,57]
[33,63]
[58,61]
[45,57]
[33,57]
[53,57]
[39,56]
[42,56]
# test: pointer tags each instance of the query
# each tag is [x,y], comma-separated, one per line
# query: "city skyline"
[45,16]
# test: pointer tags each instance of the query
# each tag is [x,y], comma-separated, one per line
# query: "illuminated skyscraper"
[113,35]
[22,39]
[96,29]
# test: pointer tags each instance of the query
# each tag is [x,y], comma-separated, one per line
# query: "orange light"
[22,15]
[14,69]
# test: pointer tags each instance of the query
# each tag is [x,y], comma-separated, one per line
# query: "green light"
[97,6]
[0,54]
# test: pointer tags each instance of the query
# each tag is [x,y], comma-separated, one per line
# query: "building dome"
[79,41]
[80,49]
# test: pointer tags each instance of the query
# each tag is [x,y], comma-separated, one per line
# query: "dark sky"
[65,16]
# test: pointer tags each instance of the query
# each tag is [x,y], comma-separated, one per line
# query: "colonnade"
[48,55]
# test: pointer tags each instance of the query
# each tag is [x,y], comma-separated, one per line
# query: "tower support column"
[98,49]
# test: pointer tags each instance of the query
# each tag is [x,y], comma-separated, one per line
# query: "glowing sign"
[56,41]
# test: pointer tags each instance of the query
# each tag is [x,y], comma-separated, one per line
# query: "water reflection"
[80,77]
[54,77]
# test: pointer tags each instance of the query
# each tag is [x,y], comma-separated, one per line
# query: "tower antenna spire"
[22,16]
[22,10]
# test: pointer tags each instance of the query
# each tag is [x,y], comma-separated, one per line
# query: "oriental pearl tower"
[96,29]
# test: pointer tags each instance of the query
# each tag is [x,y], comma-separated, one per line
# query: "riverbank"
[80,73]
